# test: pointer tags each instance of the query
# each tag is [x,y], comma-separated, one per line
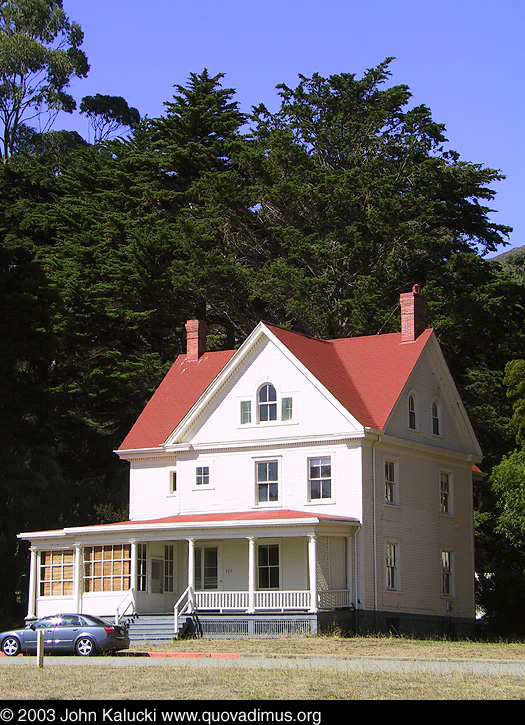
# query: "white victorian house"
[286,486]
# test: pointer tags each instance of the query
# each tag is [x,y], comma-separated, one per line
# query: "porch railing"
[127,604]
[282,600]
[184,604]
[239,601]
[335,599]
[276,600]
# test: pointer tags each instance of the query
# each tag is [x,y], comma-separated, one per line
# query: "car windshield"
[45,622]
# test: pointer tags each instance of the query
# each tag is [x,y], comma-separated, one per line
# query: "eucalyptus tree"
[40,52]
[108,114]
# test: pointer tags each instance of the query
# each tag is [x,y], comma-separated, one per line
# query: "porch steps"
[158,628]
[150,629]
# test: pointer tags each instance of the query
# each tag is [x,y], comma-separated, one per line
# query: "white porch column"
[251,574]
[77,579]
[133,566]
[33,573]
[191,570]
[312,566]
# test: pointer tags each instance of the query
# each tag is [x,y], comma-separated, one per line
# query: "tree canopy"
[108,114]
[40,51]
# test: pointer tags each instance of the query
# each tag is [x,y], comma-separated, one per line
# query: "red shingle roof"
[183,385]
[236,517]
[365,374]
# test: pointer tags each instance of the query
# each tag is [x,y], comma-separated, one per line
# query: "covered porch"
[264,563]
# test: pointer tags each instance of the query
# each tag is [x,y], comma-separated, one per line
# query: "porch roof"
[276,517]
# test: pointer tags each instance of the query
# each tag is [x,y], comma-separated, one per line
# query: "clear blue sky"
[462,58]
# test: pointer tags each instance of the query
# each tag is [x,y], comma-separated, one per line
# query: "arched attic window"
[267,403]
[412,411]
[436,417]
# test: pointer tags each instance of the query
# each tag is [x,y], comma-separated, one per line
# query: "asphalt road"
[254,661]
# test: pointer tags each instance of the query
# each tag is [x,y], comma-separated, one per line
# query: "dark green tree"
[30,488]
[358,198]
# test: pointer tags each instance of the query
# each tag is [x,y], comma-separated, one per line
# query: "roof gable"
[365,375]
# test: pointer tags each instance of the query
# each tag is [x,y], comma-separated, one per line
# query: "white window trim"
[211,480]
[397,548]
[172,479]
[267,459]
[320,501]
[395,462]
[269,542]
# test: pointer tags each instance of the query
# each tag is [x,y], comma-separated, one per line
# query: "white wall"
[232,484]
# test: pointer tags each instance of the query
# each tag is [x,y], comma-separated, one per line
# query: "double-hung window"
[391,493]
[268,566]
[320,478]
[447,583]
[392,567]
[267,481]
[445,485]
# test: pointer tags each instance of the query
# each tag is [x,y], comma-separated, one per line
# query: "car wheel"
[11,646]
[85,647]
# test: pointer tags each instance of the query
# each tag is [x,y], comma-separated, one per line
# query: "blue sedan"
[80,634]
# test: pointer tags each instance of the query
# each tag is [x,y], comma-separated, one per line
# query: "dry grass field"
[81,681]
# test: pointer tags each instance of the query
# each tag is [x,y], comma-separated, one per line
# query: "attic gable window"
[267,401]
[436,417]
[246,412]
[269,407]
[412,412]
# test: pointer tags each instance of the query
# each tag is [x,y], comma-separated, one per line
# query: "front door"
[206,567]
[157,576]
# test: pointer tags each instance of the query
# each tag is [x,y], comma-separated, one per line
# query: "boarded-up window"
[56,573]
[107,568]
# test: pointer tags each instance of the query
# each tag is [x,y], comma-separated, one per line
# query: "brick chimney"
[195,339]
[413,314]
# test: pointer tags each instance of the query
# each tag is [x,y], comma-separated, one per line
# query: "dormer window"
[267,401]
